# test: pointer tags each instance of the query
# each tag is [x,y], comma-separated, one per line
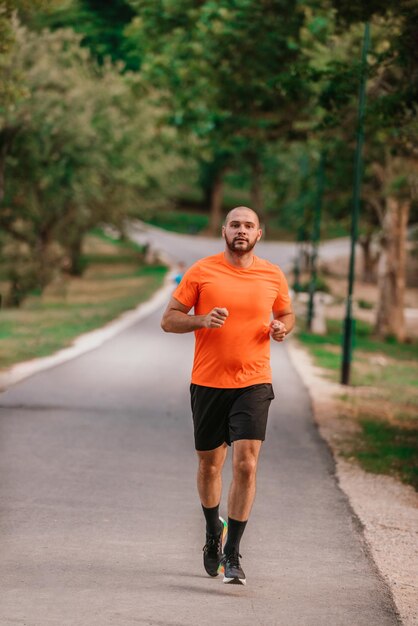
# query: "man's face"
[242,231]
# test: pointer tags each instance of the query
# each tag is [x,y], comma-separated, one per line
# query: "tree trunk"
[369,259]
[6,138]
[3,152]
[44,271]
[216,203]
[208,171]
[15,295]
[76,265]
[390,320]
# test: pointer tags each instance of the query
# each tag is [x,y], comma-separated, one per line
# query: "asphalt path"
[100,520]
[187,249]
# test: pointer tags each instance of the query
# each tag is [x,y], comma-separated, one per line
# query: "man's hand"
[215,318]
[277,330]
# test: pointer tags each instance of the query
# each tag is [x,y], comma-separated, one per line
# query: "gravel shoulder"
[387,509]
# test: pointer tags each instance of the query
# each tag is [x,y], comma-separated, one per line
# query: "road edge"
[384,546]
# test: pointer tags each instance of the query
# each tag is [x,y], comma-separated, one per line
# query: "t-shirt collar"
[235,267]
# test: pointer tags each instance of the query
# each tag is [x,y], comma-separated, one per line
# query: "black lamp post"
[349,322]
[316,231]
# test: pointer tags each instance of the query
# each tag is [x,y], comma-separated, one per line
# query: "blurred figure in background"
[181,268]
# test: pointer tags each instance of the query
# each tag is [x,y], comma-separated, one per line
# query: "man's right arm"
[176,318]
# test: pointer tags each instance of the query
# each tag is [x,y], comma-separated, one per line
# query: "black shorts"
[225,415]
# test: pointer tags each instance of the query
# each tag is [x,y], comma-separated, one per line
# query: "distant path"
[189,248]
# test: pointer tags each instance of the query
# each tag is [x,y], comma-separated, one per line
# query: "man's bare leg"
[241,498]
[209,485]
[242,490]
[209,475]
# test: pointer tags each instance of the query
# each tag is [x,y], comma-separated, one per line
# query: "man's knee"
[245,468]
[209,469]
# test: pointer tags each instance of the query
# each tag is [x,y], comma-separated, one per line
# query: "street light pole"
[315,239]
[349,322]
[301,229]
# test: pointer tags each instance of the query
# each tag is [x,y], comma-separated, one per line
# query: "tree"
[12,88]
[101,26]
[392,124]
[391,133]
[229,91]
[86,150]
[398,175]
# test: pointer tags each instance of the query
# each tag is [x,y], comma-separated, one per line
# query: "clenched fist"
[215,318]
[277,330]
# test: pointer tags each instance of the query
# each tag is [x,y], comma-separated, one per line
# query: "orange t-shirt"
[238,354]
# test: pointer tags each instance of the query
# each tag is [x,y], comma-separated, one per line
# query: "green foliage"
[85,149]
[101,26]
[228,90]
[220,89]
[359,11]
[391,129]
[11,87]
[179,221]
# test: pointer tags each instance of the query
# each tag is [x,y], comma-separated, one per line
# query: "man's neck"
[239,260]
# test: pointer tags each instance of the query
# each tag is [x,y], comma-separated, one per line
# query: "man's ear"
[260,234]
[223,232]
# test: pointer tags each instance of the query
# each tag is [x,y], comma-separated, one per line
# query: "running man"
[235,295]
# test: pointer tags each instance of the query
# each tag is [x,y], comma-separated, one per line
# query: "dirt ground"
[387,509]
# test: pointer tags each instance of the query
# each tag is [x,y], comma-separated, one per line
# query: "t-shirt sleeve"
[283,300]
[187,291]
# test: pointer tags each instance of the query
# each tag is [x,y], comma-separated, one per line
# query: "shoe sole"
[234,581]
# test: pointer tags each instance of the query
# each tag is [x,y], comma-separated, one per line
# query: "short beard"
[239,251]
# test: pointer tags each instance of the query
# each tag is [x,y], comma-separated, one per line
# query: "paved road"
[189,249]
[101,524]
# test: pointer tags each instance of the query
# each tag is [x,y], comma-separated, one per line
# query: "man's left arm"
[282,323]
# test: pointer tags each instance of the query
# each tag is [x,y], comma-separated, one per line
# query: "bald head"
[242,212]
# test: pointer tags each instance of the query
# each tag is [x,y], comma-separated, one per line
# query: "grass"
[388,449]
[383,399]
[186,222]
[365,304]
[115,281]
[364,341]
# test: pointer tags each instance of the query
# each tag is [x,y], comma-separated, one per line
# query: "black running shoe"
[233,572]
[212,550]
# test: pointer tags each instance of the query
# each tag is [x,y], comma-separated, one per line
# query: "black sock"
[235,532]
[213,523]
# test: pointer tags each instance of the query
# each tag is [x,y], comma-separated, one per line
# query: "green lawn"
[115,280]
[186,222]
[385,448]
